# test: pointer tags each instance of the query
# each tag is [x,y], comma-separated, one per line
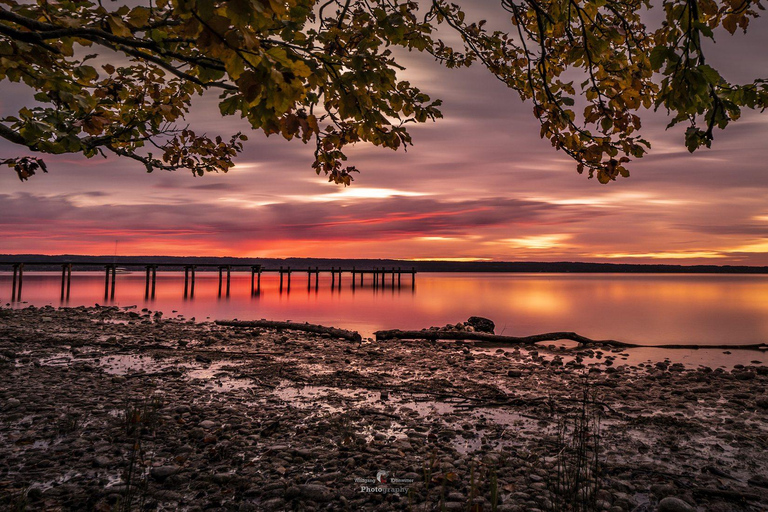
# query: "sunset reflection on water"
[637,308]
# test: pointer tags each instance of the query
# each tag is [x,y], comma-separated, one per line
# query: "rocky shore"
[111,409]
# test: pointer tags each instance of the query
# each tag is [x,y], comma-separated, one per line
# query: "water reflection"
[637,308]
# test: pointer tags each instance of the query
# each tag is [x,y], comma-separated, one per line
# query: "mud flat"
[121,409]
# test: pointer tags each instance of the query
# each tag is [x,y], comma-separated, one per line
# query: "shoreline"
[260,419]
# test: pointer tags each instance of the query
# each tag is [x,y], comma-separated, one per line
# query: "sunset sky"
[479,184]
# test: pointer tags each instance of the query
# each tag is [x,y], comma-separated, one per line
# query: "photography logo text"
[384,483]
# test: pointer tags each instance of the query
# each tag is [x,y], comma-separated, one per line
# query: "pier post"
[333,278]
[362,273]
[398,277]
[413,278]
[63,278]
[220,270]
[69,278]
[309,278]
[258,282]
[21,279]
[112,292]
[281,278]
[229,268]
[146,282]
[18,281]
[375,277]
[339,278]
[106,282]
[186,281]
[393,278]
[154,279]
[13,291]
[254,268]
[289,278]
[353,278]
[317,277]
[192,284]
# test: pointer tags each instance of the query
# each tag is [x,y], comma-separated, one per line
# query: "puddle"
[60,359]
[500,426]
[568,351]
[128,363]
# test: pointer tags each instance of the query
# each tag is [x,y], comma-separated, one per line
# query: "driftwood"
[295,326]
[488,339]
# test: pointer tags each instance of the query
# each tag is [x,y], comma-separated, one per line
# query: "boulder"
[481,324]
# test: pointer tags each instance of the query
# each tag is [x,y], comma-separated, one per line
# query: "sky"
[477,185]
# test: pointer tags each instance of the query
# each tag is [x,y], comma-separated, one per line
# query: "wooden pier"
[377,278]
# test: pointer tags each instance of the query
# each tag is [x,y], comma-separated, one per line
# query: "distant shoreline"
[53,263]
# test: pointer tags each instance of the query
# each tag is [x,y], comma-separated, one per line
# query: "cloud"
[479,184]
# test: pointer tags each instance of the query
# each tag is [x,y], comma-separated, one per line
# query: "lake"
[638,308]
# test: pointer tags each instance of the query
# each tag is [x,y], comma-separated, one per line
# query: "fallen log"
[294,326]
[444,334]
[499,340]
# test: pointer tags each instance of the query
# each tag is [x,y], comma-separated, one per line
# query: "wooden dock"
[374,278]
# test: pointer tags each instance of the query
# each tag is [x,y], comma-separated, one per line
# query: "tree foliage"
[327,72]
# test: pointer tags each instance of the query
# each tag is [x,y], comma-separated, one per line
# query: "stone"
[101,461]
[672,504]
[758,481]
[314,492]
[661,490]
[160,473]
[481,324]
[273,504]
[12,403]
[207,424]
[221,478]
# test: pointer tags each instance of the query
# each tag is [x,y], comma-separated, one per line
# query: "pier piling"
[254,270]
[63,279]
[18,280]
[66,280]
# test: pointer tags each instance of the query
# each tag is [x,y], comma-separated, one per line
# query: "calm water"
[638,308]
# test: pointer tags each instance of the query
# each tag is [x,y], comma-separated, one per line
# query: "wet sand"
[120,409]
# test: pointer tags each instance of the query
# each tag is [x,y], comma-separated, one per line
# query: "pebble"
[314,492]
[160,473]
[101,461]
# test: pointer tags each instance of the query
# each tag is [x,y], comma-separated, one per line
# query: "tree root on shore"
[295,326]
[491,340]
